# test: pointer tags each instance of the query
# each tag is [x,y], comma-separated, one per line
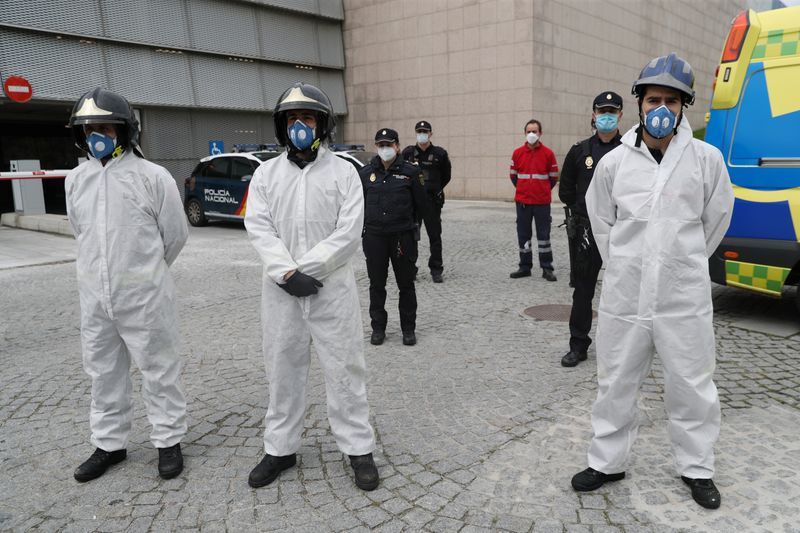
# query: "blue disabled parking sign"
[216,147]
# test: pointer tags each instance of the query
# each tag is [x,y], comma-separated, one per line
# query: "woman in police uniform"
[395,201]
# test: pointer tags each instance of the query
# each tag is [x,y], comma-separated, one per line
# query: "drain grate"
[551,312]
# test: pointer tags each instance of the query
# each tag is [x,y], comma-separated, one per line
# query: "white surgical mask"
[532,138]
[387,153]
[422,138]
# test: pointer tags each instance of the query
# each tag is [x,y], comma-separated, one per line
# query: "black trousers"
[433,227]
[580,318]
[527,216]
[401,250]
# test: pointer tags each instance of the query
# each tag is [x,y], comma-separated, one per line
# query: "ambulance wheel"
[195,213]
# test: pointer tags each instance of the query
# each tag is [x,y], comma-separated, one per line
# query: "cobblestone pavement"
[479,427]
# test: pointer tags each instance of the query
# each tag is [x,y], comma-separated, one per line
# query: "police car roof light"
[255,147]
[345,147]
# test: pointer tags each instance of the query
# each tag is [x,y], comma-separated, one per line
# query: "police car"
[217,188]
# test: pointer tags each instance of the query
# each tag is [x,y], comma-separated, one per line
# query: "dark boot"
[437,277]
[704,492]
[520,274]
[365,471]
[269,469]
[377,337]
[409,338]
[591,479]
[572,358]
[170,461]
[549,275]
[96,465]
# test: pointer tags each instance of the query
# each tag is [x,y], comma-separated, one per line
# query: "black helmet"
[100,106]
[304,96]
[667,71]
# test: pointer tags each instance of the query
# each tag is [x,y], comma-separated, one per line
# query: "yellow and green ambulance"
[755,122]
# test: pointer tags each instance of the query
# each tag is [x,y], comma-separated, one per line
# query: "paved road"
[479,427]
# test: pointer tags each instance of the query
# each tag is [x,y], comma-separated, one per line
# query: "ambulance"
[755,122]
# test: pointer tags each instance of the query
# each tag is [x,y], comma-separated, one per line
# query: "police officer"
[435,165]
[576,174]
[395,201]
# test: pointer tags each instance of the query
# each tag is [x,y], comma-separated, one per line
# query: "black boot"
[572,358]
[704,492]
[96,465]
[549,275]
[591,479]
[170,461]
[269,469]
[365,471]
[377,337]
[437,277]
[409,338]
[520,274]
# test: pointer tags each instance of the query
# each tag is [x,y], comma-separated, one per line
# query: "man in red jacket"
[534,173]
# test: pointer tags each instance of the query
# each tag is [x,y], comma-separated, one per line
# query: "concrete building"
[211,70]
[478,70]
[195,70]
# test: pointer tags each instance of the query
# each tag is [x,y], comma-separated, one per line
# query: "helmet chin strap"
[639,130]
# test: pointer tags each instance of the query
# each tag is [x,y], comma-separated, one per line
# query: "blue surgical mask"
[660,122]
[301,135]
[422,138]
[100,145]
[606,123]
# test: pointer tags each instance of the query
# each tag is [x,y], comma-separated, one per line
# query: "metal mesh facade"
[216,26]
[178,138]
[63,69]
[198,70]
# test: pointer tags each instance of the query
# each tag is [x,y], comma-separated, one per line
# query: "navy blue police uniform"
[436,168]
[395,201]
[576,174]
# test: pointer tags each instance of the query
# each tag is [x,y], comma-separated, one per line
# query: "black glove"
[438,199]
[301,285]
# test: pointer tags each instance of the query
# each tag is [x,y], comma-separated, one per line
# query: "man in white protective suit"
[128,221]
[659,205]
[305,214]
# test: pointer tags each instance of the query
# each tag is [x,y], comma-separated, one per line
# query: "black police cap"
[608,99]
[387,135]
[423,125]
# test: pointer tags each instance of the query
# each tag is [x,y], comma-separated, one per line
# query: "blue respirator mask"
[100,145]
[660,122]
[606,123]
[301,135]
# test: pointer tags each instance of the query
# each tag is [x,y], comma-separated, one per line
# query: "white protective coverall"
[129,224]
[655,226]
[311,219]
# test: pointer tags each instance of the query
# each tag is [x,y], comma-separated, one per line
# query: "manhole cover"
[551,312]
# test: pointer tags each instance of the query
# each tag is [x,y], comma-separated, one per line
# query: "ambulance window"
[217,168]
[240,168]
[757,133]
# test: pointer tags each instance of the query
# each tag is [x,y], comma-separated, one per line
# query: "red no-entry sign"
[18,89]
